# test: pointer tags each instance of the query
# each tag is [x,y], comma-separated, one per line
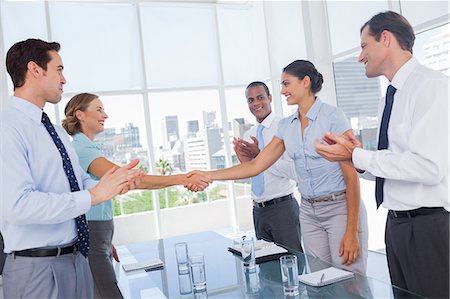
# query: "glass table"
[225,276]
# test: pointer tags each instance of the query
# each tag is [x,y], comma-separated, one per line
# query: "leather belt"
[43,252]
[416,212]
[272,201]
[331,197]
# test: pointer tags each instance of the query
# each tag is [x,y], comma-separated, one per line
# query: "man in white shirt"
[413,165]
[275,209]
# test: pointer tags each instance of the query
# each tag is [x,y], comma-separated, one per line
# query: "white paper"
[150,264]
[325,276]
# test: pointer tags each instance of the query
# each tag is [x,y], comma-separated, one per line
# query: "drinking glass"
[289,274]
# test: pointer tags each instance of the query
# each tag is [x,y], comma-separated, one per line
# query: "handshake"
[119,180]
[197,180]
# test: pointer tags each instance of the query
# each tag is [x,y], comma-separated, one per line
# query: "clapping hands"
[245,150]
[337,147]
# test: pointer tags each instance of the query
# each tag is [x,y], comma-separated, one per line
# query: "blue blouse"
[88,151]
[316,176]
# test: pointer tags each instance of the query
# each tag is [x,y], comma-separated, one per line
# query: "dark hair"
[78,102]
[302,68]
[25,51]
[259,83]
[394,23]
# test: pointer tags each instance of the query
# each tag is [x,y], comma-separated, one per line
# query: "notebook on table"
[155,263]
[325,276]
[264,251]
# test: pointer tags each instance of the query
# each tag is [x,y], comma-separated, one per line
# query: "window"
[99,53]
[418,12]
[346,18]
[187,135]
[32,24]
[180,45]
[243,43]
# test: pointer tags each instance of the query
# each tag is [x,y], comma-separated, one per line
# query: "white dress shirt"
[37,208]
[277,178]
[416,164]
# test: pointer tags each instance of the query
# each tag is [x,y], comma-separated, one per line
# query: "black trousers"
[417,250]
[279,223]
[2,254]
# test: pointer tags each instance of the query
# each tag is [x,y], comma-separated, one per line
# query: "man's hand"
[336,147]
[113,182]
[195,175]
[245,150]
[197,182]
[133,183]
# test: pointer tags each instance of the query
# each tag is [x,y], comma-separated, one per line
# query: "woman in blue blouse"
[85,118]
[332,217]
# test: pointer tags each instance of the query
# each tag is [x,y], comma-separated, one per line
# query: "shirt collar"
[267,122]
[312,113]
[27,108]
[403,73]
[82,137]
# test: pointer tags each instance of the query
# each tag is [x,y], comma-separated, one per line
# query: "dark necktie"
[258,180]
[82,228]
[383,140]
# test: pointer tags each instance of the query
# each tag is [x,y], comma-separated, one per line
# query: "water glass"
[289,274]
[202,294]
[248,252]
[181,251]
[184,281]
[197,264]
[251,279]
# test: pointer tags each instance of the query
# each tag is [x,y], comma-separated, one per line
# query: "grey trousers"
[324,225]
[100,259]
[279,223]
[65,276]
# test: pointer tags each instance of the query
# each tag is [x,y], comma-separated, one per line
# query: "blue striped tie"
[383,140]
[258,181]
[82,227]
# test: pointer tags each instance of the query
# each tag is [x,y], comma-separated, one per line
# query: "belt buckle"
[58,253]
[262,204]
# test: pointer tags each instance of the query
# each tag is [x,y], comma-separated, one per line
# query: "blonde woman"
[85,118]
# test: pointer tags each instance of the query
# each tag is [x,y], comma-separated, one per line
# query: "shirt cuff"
[361,158]
[82,201]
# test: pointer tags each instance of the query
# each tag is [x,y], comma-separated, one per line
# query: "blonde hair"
[78,102]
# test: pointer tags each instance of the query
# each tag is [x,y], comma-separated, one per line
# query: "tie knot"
[391,91]
[45,119]
[260,128]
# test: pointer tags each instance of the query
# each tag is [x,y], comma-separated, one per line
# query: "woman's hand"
[349,249]
[197,180]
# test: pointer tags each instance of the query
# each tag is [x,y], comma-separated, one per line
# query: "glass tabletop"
[225,275]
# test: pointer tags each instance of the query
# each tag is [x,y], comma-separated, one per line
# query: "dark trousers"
[279,223]
[100,259]
[2,254]
[417,250]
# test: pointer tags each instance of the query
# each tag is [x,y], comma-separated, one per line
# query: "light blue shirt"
[316,176]
[37,208]
[88,151]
